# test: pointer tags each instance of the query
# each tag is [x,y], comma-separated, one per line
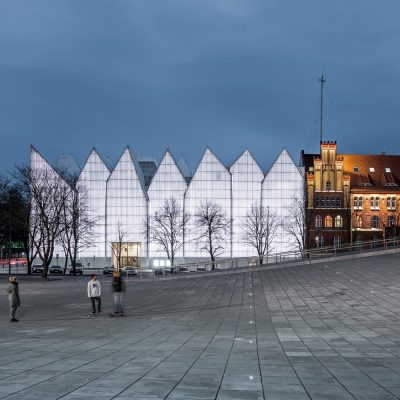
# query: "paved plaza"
[321,332]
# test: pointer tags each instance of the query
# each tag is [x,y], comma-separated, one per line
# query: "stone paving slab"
[320,331]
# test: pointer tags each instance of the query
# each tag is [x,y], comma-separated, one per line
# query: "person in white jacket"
[94,294]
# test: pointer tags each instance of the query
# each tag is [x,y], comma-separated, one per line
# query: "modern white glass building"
[121,199]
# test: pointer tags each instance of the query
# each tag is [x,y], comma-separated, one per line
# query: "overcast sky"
[189,74]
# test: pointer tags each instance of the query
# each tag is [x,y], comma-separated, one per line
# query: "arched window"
[376,202]
[360,202]
[388,202]
[328,221]
[338,221]
[359,221]
[375,222]
[391,221]
[393,205]
[318,221]
[371,202]
[355,202]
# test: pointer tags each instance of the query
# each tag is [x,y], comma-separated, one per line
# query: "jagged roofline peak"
[136,166]
[94,151]
[207,149]
[251,155]
[168,151]
[33,149]
[284,150]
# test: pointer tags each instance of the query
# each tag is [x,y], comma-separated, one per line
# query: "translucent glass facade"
[93,178]
[282,183]
[168,182]
[120,197]
[211,181]
[247,178]
[39,163]
[126,204]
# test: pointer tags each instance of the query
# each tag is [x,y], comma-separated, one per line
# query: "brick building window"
[323,202]
[391,221]
[359,221]
[328,203]
[328,221]
[318,221]
[374,203]
[391,203]
[319,241]
[338,221]
[337,241]
[328,185]
[338,202]
[317,202]
[375,222]
[357,203]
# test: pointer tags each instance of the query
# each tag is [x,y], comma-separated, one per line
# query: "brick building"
[350,197]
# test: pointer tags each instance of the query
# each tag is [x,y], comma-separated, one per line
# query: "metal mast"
[322,80]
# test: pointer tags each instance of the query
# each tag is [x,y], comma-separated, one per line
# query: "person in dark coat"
[118,288]
[13,297]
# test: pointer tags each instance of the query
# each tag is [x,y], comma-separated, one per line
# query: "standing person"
[13,297]
[94,294]
[118,287]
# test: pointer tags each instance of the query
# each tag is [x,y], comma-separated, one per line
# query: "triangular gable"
[247,159]
[94,163]
[126,164]
[207,158]
[167,165]
[38,161]
[283,163]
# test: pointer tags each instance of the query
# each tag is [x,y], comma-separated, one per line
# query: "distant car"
[183,269]
[37,268]
[159,271]
[78,269]
[56,269]
[108,270]
[130,270]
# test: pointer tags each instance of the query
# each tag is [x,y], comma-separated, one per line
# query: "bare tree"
[259,229]
[166,226]
[297,223]
[390,222]
[78,224]
[46,193]
[211,224]
[116,247]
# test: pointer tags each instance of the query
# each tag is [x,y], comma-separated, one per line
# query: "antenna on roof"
[322,80]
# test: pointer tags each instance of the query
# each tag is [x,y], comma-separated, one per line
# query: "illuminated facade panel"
[247,177]
[167,183]
[282,184]
[211,182]
[126,206]
[93,180]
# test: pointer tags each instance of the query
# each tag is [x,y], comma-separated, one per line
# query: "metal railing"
[237,264]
